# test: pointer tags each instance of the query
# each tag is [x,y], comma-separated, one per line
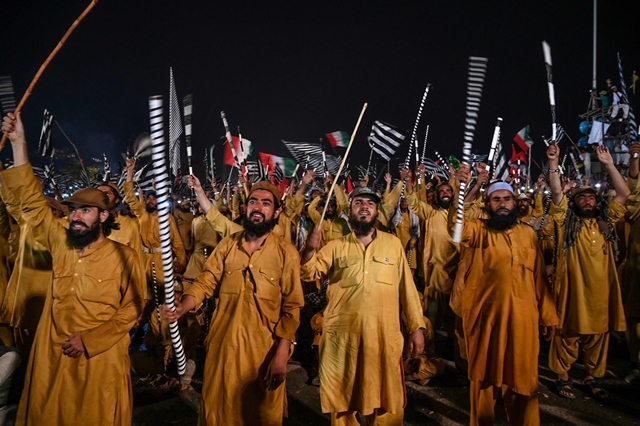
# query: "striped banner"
[475,83]
[7,95]
[384,139]
[187,104]
[633,125]
[552,94]
[163,186]
[175,127]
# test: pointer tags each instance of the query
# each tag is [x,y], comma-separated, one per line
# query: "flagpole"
[344,160]
[46,63]
[74,147]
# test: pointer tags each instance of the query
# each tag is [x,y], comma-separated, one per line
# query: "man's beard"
[80,239]
[523,211]
[151,209]
[586,214]
[362,227]
[444,204]
[258,229]
[502,222]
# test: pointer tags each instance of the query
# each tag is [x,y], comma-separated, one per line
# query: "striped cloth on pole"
[384,139]
[187,103]
[175,127]
[163,185]
[633,130]
[552,94]
[107,168]
[7,95]
[45,147]
[433,168]
[475,83]
[309,155]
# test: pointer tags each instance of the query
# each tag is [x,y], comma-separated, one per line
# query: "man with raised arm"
[78,371]
[586,287]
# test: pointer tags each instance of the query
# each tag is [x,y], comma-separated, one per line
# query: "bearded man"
[587,289]
[440,255]
[361,345]
[78,370]
[257,275]
[502,300]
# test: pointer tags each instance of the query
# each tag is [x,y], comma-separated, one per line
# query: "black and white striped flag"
[107,168]
[45,147]
[384,139]
[7,95]
[309,156]
[278,174]
[175,127]
[633,131]
[431,167]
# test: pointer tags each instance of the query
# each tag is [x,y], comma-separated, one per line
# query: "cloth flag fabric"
[634,82]
[431,167]
[339,139]
[45,147]
[7,96]
[175,127]
[523,139]
[309,156]
[384,139]
[244,151]
[633,126]
[501,169]
[517,156]
[287,165]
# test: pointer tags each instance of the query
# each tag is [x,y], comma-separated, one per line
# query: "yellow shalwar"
[96,294]
[587,293]
[260,301]
[362,342]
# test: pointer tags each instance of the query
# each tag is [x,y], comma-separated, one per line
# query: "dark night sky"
[296,70]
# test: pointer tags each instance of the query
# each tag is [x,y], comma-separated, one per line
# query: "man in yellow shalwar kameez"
[361,346]
[503,299]
[257,275]
[587,289]
[78,370]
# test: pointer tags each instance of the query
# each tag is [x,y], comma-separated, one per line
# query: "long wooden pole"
[47,61]
[344,160]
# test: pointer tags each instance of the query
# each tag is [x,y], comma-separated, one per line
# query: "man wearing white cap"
[503,300]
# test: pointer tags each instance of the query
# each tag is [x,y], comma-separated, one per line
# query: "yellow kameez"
[260,301]
[361,345]
[96,294]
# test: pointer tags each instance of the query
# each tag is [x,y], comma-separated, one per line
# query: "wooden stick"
[344,160]
[46,63]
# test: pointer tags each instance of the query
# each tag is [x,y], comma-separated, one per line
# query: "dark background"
[296,70]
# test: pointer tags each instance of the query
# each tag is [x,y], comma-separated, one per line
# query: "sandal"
[565,388]
[596,390]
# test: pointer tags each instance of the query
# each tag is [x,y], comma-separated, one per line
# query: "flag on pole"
[285,164]
[384,139]
[634,81]
[175,127]
[523,139]
[45,147]
[339,139]
[309,156]
[243,150]
[7,96]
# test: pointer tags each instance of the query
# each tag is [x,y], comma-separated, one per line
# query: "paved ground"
[444,401]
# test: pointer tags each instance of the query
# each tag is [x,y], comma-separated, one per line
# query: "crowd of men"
[354,281]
